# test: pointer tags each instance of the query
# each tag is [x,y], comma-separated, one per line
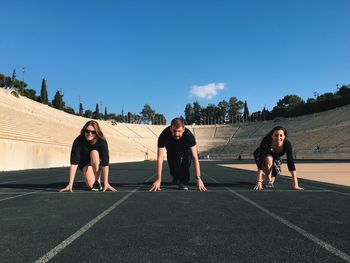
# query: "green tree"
[81,109]
[197,110]
[210,114]
[265,114]
[245,111]
[326,96]
[223,108]
[130,117]
[344,90]
[147,113]
[69,110]
[43,93]
[159,119]
[89,114]
[3,81]
[310,101]
[58,102]
[289,102]
[30,93]
[13,80]
[286,105]
[235,108]
[6,81]
[189,114]
[97,112]
[106,115]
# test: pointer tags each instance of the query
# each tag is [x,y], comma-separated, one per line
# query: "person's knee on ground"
[268,167]
[95,164]
[273,178]
[89,176]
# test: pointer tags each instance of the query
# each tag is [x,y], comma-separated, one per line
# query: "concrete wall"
[18,155]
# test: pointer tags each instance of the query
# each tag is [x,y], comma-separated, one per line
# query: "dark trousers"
[180,166]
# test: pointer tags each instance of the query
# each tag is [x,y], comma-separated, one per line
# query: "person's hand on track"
[297,188]
[200,185]
[108,187]
[68,188]
[258,186]
[155,186]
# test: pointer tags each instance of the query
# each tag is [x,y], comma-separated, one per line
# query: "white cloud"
[208,91]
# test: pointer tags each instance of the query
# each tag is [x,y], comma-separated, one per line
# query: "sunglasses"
[90,131]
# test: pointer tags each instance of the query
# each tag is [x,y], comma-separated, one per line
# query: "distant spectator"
[268,158]
[90,154]
[239,157]
[317,149]
[180,145]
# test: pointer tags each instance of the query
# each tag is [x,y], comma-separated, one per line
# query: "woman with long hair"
[268,158]
[90,154]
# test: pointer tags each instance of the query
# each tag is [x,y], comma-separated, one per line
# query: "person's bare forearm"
[160,157]
[159,168]
[105,172]
[72,172]
[260,176]
[295,184]
[294,176]
[197,168]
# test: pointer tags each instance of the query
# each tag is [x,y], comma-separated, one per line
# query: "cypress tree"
[97,112]
[246,111]
[14,74]
[13,80]
[81,109]
[105,117]
[43,93]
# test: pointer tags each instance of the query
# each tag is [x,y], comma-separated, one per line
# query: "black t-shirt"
[265,149]
[176,147]
[81,149]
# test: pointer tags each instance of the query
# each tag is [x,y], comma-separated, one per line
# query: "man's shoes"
[96,187]
[183,186]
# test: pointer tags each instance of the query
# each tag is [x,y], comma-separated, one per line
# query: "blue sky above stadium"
[123,54]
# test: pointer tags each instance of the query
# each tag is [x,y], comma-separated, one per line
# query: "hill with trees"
[236,111]
[147,115]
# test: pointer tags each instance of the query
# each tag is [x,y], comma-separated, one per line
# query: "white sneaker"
[182,186]
[96,187]
[269,185]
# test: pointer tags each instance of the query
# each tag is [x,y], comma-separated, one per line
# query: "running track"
[229,223]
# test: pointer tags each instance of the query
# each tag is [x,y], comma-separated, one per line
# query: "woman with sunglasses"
[90,154]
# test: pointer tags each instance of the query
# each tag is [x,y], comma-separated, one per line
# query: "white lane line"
[341,193]
[310,181]
[53,252]
[8,182]
[30,179]
[301,231]
[285,179]
[321,188]
[20,195]
[39,177]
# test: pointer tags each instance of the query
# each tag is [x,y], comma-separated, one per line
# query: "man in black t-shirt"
[180,145]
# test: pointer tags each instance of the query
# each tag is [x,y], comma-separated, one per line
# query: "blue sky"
[128,53]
